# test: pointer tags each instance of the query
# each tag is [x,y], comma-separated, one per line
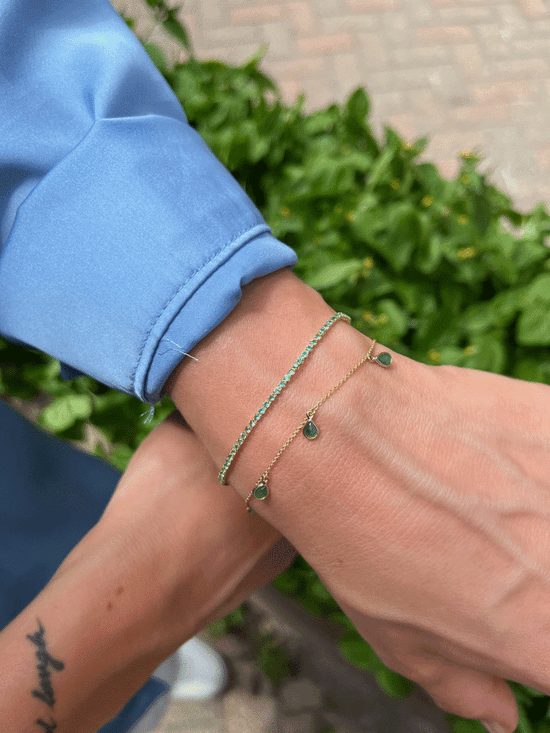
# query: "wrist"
[241,362]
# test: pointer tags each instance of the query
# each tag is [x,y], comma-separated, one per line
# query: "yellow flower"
[434,355]
[350,216]
[368,262]
[285,211]
[466,252]
[427,201]
[465,179]
[470,350]
[395,184]
[367,315]
[382,318]
[467,154]
[462,219]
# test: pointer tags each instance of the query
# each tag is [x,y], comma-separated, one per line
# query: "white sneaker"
[202,674]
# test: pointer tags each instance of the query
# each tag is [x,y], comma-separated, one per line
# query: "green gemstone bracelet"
[310,429]
[278,389]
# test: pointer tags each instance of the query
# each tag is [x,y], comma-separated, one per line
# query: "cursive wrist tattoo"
[45,663]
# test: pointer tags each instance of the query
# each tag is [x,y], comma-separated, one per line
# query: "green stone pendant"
[261,491]
[311,431]
[383,359]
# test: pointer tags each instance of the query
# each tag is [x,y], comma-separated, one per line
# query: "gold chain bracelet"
[310,429]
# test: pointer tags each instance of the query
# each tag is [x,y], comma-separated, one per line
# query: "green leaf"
[273,661]
[380,169]
[250,67]
[490,354]
[502,266]
[287,582]
[478,317]
[464,725]
[482,213]
[357,106]
[394,684]
[531,370]
[397,323]
[320,121]
[156,56]
[176,29]
[418,147]
[333,274]
[403,238]
[533,325]
[506,304]
[317,589]
[120,456]
[452,355]
[356,650]
[524,725]
[432,183]
[429,254]
[63,412]
[539,289]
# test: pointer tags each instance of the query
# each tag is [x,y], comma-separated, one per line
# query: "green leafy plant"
[442,271]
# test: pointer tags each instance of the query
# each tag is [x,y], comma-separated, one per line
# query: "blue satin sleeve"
[123,239]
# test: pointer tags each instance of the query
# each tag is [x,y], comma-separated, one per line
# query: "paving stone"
[246,713]
[248,674]
[302,723]
[533,8]
[192,716]
[231,646]
[300,694]
[343,725]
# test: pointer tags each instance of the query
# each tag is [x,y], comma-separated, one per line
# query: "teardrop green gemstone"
[310,430]
[383,359]
[261,491]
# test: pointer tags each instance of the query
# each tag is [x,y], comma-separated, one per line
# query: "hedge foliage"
[442,271]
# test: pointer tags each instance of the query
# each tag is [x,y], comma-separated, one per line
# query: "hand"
[422,505]
[436,528]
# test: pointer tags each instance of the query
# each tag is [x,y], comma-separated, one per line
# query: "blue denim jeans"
[51,495]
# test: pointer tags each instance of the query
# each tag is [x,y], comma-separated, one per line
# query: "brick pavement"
[468,73]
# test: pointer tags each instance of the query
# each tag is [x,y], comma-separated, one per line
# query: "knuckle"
[427,672]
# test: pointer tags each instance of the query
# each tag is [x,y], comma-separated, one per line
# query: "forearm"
[170,555]
[83,647]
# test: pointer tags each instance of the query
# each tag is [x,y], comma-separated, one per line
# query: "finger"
[477,695]
[459,690]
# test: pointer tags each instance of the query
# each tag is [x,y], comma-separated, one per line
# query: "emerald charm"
[383,359]
[311,431]
[261,491]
